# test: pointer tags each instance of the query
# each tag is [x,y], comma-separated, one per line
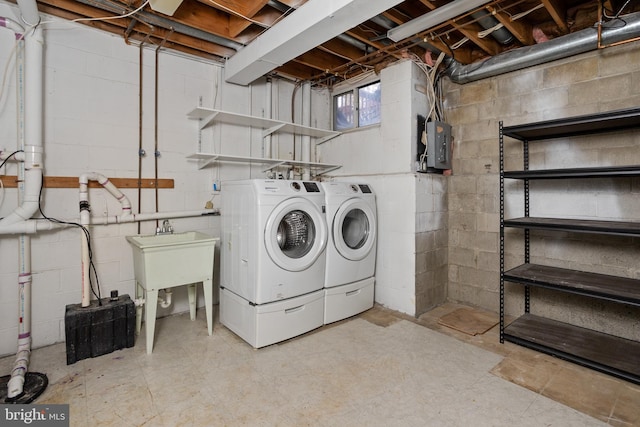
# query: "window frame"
[354,90]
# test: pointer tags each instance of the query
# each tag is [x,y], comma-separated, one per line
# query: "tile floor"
[377,369]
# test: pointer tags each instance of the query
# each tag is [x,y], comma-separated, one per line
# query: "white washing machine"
[273,252]
[351,251]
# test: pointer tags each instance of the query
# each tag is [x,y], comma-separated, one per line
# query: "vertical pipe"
[156,153]
[85,260]
[267,113]
[16,383]
[305,146]
[140,75]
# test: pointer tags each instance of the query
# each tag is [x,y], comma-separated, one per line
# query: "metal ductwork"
[562,47]
[487,21]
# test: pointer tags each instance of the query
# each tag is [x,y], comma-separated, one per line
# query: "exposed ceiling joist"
[318,21]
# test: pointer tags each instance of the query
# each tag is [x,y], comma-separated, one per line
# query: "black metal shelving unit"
[606,353]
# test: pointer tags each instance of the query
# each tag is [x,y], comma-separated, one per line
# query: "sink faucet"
[166,228]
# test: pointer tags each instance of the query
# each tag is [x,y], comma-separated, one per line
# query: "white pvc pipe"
[12,25]
[30,112]
[34,226]
[267,114]
[166,301]
[85,261]
[305,145]
[85,221]
[29,12]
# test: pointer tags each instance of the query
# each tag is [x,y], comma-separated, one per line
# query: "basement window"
[357,107]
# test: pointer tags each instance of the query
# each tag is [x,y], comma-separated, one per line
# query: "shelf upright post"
[501,234]
[527,233]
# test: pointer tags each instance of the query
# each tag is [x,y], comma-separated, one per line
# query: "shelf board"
[573,126]
[207,158]
[577,225]
[602,286]
[211,116]
[595,172]
[606,353]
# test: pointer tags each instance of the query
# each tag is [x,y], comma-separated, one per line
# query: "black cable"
[87,234]
[9,156]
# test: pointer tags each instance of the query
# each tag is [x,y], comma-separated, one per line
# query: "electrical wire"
[9,156]
[435,111]
[485,33]
[105,18]
[617,15]
[92,267]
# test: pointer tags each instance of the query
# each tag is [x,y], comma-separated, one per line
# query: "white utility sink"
[169,260]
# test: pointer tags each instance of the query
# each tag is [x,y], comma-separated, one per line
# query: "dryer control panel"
[311,187]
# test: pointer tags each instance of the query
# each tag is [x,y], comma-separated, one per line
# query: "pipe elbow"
[15,386]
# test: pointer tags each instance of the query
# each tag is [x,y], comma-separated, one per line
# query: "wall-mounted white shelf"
[207,158]
[210,116]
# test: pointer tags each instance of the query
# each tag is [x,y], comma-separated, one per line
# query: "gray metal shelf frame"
[579,345]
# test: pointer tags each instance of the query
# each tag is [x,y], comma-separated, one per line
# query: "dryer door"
[354,229]
[295,234]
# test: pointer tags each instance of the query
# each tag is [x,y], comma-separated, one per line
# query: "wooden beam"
[558,12]
[11,181]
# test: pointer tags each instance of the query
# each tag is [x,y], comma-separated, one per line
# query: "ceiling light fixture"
[168,7]
[433,18]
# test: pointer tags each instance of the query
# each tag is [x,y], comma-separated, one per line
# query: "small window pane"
[343,110]
[369,104]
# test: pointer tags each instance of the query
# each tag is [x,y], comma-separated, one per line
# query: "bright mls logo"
[35,415]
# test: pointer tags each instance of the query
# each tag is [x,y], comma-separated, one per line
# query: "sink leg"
[151,305]
[207,284]
[192,300]
[139,294]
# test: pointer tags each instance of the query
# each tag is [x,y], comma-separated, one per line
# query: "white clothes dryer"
[351,251]
[273,252]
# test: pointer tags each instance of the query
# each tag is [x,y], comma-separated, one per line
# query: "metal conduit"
[562,47]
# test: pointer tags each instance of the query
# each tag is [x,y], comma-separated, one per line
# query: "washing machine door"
[295,234]
[354,229]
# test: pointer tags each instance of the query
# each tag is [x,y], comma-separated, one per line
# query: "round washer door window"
[295,234]
[354,229]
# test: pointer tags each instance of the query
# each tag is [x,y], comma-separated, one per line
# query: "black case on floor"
[99,329]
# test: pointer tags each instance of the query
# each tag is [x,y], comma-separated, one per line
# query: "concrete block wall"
[592,82]
[431,244]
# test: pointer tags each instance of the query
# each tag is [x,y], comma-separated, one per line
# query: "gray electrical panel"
[436,146]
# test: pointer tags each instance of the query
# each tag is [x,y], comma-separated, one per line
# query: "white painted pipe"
[305,145]
[85,221]
[12,25]
[34,226]
[31,140]
[85,259]
[29,12]
[267,114]
[166,301]
[149,216]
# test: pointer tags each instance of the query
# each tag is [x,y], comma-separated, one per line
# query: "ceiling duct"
[487,21]
[552,50]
